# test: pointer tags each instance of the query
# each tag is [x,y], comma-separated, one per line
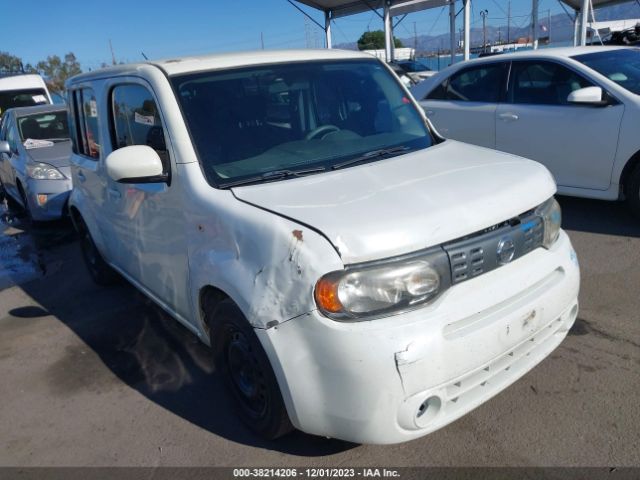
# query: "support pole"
[534,23]
[388,31]
[327,28]
[576,25]
[585,20]
[452,30]
[467,29]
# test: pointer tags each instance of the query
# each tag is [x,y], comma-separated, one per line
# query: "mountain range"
[559,27]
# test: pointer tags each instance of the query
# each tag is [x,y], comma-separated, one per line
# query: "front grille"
[490,248]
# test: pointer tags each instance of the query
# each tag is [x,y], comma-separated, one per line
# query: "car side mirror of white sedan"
[4,147]
[587,95]
[136,164]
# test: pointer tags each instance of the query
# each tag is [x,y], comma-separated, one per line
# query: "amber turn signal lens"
[326,294]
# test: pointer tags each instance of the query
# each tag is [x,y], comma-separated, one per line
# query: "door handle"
[114,193]
[508,117]
[81,176]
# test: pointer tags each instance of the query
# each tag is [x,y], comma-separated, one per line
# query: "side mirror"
[135,164]
[4,147]
[588,96]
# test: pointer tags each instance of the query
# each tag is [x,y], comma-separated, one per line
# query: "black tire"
[247,372]
[26,210]
[632,191]
[100,271]
[12,204]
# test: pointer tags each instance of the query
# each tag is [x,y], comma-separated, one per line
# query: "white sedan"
[575,110]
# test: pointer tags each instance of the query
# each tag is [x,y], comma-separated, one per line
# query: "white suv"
[356,275]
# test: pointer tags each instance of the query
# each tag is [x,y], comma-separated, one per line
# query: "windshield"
[296,117]
[620,66]
[50,126]
[22,98]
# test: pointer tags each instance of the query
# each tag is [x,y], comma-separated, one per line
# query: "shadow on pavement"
[143,347]
[598,216]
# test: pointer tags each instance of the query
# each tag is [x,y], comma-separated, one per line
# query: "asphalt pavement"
[94,376]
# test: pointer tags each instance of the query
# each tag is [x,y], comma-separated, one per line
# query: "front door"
[463,107]
[577,143]
[146,220]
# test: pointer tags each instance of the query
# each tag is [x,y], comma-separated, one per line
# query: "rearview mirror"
[4,147]
[587,95]
[136,164]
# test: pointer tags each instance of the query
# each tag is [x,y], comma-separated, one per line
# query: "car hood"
[57,155]
[410,202]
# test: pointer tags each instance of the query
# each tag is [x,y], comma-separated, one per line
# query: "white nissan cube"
[356,275]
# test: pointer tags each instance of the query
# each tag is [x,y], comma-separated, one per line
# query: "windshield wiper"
[274,175]
[382,152]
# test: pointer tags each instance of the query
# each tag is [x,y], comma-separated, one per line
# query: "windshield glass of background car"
[22,98]
[44,126]
[251,121]
[620,66]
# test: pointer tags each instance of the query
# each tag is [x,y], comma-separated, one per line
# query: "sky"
[34,29]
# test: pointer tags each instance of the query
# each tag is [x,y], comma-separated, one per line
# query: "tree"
[56,71]
[375,41]
[10,63]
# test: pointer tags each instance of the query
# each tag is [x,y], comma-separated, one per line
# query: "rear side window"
[136,120]
[477,84]
[543,83]
[85,133]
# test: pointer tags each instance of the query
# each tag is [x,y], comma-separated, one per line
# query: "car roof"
[176,66]
[424,87]
[553,52]
[22,111]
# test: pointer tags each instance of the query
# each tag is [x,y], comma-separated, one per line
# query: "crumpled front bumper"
[397,378]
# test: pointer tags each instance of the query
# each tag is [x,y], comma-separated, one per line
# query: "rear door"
[463,107]
[577,143]
[86,168]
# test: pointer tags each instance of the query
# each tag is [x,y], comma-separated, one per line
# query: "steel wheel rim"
[247,377]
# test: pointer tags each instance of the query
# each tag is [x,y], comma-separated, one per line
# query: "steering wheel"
[321,131]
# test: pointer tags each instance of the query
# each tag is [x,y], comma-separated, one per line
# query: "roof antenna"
[113,55]
[145,57]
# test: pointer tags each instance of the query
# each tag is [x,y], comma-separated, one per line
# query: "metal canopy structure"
[400,8]
[391,8]
[581,18]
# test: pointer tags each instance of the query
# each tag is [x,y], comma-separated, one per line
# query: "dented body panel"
[265,246]
[366,381]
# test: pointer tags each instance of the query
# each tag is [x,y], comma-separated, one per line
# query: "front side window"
[620,66]
[543,83]
[12,138]
[85,112]
[476,84]
[50,126]
[136,120]
[252,122]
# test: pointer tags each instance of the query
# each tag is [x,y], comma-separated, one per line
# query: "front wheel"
[247,372]
[632,191]
[100,271]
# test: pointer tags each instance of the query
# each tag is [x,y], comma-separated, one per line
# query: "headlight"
[44,171]
[383,288]
[552,218]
